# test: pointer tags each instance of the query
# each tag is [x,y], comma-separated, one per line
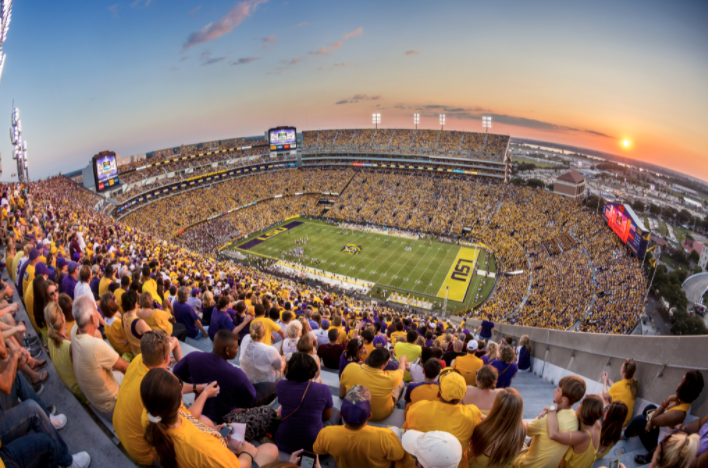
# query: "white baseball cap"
[435,449]
[472,345]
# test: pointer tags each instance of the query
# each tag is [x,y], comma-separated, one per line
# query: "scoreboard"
[105,170]
[282,138]
[625,223]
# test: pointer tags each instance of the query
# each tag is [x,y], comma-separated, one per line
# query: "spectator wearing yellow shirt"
[114,326]
[428,389]
[106,280]
[626,390]
[181,440]
[386,387]
[543,451]
[446,413]
[150,285]
[408,349]
[118,293]
[399,332]
[356,444]
[154,353]
[583,443]
[270,326]
[498,439]
[469,364]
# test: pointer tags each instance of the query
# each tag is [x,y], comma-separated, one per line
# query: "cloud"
[299,25]
[342,102]
[351,35]
[293,61]
[340,65]
[184,58]
[140,3]
[207,59]
[194,11]
[267,41]
[332,47]
[225,25]
[327,50]
[114,10]
[245,60]
[412,52]
[365,97]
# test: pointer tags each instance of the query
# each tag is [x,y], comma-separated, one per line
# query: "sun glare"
[626,143]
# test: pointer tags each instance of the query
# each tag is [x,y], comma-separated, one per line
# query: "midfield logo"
[351,249]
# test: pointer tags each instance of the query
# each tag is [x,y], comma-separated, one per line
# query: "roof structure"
[574,177]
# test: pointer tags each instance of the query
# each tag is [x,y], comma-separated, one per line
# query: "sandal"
[41,379]
[39,365]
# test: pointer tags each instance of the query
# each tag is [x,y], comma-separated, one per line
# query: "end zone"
[459,277]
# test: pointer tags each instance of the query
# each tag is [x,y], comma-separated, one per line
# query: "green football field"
[408,266]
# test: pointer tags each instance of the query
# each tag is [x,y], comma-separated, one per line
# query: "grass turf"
[418,267]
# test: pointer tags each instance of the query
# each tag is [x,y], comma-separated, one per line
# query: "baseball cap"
[325,324]
[379,342]
[34,254]
[434,449]
[356,406]
[41,269]
[196,291]
[61,262]
[76,257]
[452,385]
[472,345]
[72,267]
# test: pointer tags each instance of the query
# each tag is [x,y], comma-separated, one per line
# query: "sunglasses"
[52,292]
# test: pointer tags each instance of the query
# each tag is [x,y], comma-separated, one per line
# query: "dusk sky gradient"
[142,75]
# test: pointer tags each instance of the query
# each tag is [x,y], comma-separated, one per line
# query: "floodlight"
[442,121]
[486,122]
[376,119]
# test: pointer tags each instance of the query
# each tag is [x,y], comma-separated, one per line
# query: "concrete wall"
[661,360]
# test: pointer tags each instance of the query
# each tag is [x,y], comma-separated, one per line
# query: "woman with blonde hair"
[305,346]
[208,306]
[676,451]
[293,331]
[60,348]
[260,362]
[485,393]
[498,439]
[492,353]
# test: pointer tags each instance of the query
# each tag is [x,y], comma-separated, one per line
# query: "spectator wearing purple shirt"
[235,390]
[68,284]
[184,314]
[222,320]
[506,367]
[305,405]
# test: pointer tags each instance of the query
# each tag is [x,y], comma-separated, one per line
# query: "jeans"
[199,335]
[23,390]
[265,394]
[636,427]
[20,449]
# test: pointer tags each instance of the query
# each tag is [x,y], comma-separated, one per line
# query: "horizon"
[143,75]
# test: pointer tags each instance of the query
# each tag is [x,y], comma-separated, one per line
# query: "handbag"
[301,400]
[259,421]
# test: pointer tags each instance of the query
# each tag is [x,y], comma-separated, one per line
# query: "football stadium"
[346,296]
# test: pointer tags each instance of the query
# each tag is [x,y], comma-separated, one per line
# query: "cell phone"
[226,430]
[615,463]
[308,459]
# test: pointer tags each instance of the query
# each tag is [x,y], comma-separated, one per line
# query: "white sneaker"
[58,421]
[81,460]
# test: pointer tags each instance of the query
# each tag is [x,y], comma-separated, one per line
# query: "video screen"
[618,221]
[282,138]
[105,170]
[106,167]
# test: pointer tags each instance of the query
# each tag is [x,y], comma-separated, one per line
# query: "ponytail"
[629,369]
[157,437]
[634,387]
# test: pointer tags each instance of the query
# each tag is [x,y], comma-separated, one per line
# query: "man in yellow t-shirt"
[469,364]
[270,326]
[106,280]
[356,444]
[410,350]
[386,387]
[543,451]
[447,413]
[399,332]
[155,352]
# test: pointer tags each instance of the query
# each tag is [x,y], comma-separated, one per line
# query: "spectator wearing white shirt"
[260,362]
[322,332]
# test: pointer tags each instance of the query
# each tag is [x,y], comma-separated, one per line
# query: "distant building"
[703,261]
[571,185]
[692,203]
[691,245]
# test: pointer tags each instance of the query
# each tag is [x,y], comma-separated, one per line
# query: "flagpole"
[650,283]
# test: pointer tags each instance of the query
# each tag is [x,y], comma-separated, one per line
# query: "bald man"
[236,391]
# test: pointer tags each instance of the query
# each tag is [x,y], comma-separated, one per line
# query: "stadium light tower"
[442,121]
[416,120]
[19,153]
[5,14]
[376,120]
[486,123]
